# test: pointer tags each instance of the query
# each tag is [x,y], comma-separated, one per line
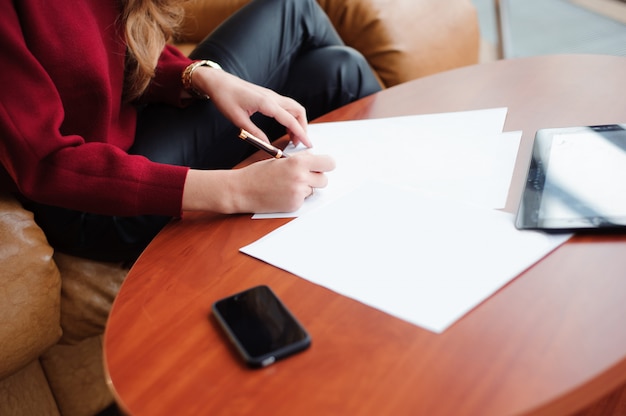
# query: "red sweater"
[64,130]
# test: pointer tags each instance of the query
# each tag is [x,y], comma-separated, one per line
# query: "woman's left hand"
[238,99]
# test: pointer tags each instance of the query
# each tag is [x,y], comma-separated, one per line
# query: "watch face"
[188,74]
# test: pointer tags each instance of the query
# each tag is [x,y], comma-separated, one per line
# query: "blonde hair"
[148,25]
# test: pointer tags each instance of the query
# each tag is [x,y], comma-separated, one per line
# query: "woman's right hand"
[272,185]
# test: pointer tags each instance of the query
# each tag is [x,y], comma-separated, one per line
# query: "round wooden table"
[550,342]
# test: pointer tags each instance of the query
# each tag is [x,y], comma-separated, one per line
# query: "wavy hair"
[148,25]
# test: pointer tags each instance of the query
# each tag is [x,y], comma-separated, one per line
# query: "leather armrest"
[407,39]
[30,289]
[202,16]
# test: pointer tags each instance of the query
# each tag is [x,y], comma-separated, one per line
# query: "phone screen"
[260,326]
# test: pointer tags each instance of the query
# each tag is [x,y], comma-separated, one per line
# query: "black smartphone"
[260,326]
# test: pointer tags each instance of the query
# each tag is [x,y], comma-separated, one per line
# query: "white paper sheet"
[424,260]
[461,154]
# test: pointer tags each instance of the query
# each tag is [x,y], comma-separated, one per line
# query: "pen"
[260,144]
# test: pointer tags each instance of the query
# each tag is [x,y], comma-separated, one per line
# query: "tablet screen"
[576,180]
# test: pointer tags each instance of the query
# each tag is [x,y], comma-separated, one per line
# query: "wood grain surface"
[550,342]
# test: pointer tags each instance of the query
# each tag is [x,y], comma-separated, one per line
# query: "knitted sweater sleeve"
[64,130]
[167,83]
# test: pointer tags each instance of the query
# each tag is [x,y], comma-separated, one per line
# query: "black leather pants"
[289,46]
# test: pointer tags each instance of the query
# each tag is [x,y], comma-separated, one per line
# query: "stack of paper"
[408,223]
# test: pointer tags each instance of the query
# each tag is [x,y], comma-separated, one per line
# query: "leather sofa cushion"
[27,393]
[76,376]
[30,288]
[87,293]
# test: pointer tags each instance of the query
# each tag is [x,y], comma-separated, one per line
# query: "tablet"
[576,180]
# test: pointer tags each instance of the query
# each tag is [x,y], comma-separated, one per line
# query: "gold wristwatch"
[188,72]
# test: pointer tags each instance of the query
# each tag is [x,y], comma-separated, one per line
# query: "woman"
[107,132]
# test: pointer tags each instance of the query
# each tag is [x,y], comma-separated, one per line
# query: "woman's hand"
[238,100]
[272,185]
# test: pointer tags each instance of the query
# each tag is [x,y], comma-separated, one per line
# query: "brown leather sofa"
[52,313]
[53,307]
[401,39]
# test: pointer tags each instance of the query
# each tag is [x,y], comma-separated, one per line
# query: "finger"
[293,118]
[320,163]
[297,133]
[299,113]
[298,139]
[293,107]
